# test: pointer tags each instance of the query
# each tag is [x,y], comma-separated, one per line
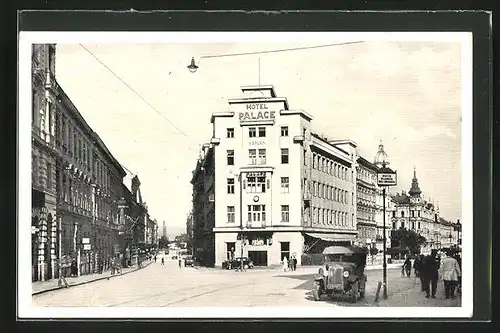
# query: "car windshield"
[340,258]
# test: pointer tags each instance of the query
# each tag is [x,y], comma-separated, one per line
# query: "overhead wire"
[279,50]
[135,91]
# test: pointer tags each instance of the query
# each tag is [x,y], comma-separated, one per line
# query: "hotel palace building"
[266,187]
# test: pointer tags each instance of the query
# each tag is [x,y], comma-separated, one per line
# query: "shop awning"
[333,237]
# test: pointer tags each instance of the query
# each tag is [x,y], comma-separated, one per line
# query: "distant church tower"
[415,191]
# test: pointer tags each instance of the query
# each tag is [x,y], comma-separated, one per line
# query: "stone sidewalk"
[53,284]
[414,297]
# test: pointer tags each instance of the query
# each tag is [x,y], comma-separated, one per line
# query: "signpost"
[385,177]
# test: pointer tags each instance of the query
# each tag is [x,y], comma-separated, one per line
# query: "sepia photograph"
[245,174]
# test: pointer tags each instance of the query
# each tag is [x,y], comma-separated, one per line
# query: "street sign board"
[387,179]
[85,240]
[86,247]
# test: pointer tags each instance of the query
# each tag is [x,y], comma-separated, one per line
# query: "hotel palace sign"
[257,112]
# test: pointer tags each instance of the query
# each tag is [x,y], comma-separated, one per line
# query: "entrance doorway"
[259,258]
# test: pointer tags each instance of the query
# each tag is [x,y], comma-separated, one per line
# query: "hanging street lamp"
[192,66]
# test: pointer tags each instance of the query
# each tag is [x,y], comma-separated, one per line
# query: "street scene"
[290,182]
[167,285]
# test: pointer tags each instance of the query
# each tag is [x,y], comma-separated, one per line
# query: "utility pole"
[384,240]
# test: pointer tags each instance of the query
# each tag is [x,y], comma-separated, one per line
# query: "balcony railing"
[256,224]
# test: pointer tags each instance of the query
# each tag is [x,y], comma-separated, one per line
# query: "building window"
[230,157]
[256,213]
[402,225]
[252,132]
[262,156]
[262,132]
[394,226]
[252,156]
[284,156]
[230,132]
[305,157]
[284,130]
[394,213]
[402,214]
[285,250]
[230,185]
[285,185]
[285,213]
[230,214]
[419,225]
[418,213]
[256,184]
[49,176]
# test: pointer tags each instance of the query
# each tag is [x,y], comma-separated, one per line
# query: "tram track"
[179,290]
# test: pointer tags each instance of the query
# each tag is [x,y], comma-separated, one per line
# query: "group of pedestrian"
[429,268]
[290,265]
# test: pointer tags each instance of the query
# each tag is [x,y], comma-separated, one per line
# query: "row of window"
[261,157]
[364,233]
[37,179]
[367,176]
[256,132]
[79,194]
[403,213]
[332,168]
[332,217]
[257,213]
[331,193]
[254,184]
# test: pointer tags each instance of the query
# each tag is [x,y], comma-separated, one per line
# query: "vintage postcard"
[243,174]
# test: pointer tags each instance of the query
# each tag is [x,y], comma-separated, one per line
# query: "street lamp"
[458,226]
[385,177]
[192,66]
[242,237]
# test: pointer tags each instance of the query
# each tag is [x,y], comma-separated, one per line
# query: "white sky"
[407,94]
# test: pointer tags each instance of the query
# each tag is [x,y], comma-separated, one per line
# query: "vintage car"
[342,273]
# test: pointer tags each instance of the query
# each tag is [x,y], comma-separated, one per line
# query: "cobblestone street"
[170,286]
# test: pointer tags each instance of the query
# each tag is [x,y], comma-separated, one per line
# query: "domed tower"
[415,191]
[381,156]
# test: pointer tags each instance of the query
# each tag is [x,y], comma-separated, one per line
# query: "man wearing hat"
[430,273]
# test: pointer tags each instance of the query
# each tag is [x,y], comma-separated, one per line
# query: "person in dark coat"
[417,266]
[430,271]
[407,266]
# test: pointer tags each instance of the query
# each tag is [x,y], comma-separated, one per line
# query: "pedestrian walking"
[180,263]
[162,260]
[407,266]
[450,271]
[430,271]
[459,282]
[285,264]
[294,261]
[155,258]
[417,266]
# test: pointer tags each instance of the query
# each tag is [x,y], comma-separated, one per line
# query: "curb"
[85,282]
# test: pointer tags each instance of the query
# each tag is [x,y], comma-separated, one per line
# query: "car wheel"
[316,291]
[354,292]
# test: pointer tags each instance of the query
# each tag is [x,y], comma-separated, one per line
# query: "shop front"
[259,245]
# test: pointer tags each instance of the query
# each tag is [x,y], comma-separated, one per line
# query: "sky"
[405,94]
